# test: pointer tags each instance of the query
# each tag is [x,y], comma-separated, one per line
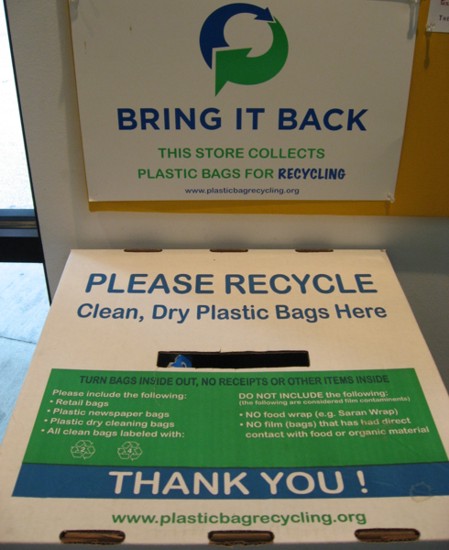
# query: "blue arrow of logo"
[212,32]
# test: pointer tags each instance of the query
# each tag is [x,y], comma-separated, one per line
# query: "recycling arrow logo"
[237,65]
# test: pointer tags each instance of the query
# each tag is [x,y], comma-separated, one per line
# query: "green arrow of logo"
[237,67]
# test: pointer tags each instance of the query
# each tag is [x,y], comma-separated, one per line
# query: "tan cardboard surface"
[352,438]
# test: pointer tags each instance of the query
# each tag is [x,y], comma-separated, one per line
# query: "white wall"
[418,247]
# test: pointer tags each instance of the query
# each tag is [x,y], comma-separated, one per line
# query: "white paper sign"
[438,18]
[210,100]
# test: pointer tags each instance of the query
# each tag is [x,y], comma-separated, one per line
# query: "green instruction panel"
[187,418]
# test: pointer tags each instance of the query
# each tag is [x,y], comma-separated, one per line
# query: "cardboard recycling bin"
[196,397]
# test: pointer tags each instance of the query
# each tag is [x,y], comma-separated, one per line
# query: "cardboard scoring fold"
[195,397]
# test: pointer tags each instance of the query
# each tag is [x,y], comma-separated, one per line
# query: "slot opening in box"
[231,538]
[94,536]
[233,359]
[387,535]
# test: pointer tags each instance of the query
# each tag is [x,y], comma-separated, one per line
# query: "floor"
[23,310]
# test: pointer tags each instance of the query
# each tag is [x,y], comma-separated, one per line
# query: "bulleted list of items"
[287,419]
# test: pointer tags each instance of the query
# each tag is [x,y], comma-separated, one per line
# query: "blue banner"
[402,480]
